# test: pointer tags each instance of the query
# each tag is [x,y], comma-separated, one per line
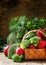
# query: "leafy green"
[17,22]
[11,38]
[17,27]
[12,24]
[37,23]
[11,50]
[20,32]
[20,25]
[32,34]
[17,58]
[24,44]
[34,40]
[28,25]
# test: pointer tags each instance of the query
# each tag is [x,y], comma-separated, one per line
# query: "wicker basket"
[34,53]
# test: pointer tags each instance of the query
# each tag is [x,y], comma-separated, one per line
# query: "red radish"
[6,50]
[41,44]
[31,47]
[39,34]
[19,51]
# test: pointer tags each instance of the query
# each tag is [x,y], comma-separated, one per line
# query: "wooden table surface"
[5,61]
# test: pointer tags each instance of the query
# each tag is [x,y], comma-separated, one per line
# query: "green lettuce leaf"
[34,40]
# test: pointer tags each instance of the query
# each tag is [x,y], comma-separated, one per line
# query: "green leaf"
[12,24]
[29,25]
[32,34]
[34,40]
[24,44]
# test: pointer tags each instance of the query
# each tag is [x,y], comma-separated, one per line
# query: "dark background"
[9,8]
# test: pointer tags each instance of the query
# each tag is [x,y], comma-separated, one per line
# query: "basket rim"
[32,31]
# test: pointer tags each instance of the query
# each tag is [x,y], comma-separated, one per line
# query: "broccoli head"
[17,58]
[34,40]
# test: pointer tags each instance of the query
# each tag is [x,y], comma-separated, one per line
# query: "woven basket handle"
[30,32]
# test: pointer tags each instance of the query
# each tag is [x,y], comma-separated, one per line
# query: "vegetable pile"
[18,27]
[32,41]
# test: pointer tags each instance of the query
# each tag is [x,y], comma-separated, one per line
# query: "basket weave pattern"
[35,54]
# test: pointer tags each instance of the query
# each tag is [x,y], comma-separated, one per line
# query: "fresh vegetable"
[28,25]
[6,50]
[17,27]
[24,44]
[12,24]
[32,34]
[11,38]
[11,50]
[19,51]
[39,34]
[34,40]
[17,58]
[20,25]
[41,44]
[31,46]
[37,23]
[41,22]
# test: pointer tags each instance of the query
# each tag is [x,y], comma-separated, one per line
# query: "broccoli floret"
[34,40]
[24,44]
[17,58]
